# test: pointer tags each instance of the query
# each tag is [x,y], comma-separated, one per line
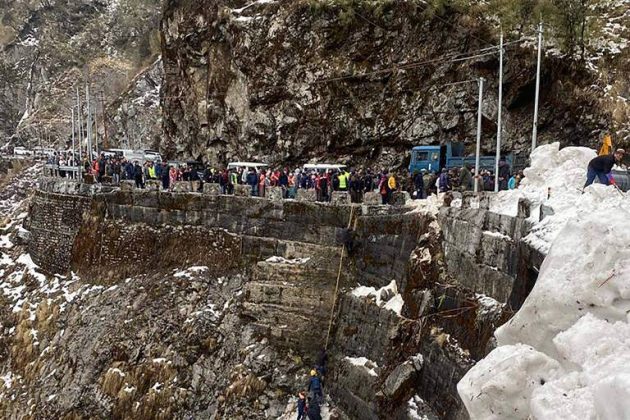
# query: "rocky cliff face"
[274,80]
[49,47]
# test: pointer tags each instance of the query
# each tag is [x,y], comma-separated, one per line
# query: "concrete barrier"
[306,195]
[212,189]
[152,185]
[372,198]
[274,193]
[242,190]
[340,198]
[127,185]
[181,186]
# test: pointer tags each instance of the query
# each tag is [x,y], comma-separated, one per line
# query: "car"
[22,151]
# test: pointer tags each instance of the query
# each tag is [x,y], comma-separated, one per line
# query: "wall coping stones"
[306,195]
[340,198]
[211,189]
[181,186]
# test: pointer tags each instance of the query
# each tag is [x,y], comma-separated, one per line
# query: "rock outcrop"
[290,81]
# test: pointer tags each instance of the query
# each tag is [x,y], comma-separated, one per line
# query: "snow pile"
[365,363]
[555,179]
[386,297]
[566,353]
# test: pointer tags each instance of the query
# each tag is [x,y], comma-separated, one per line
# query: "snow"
[282,260]
[242,9]
[365,363]
[555,179]
[117,371]
[566,353]
[394,303]
[416,405]
[8,380]
[190,271]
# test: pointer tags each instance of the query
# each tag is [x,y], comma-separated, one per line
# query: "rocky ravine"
[183,305]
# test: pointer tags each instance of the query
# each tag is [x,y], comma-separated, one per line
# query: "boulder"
[399,380]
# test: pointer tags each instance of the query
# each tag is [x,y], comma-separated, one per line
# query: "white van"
[22,151]
[323,167]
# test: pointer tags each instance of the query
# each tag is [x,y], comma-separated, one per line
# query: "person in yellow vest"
[152,171]
[343,181]
[391,186]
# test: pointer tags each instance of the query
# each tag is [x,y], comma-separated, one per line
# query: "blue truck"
[450,155]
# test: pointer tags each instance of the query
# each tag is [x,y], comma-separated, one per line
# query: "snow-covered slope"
[566,353]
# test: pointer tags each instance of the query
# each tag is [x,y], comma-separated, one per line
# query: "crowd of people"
[357,182]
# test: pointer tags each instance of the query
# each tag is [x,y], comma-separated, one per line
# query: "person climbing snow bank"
[601,166]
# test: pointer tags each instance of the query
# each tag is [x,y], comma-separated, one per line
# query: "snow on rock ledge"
[386,297]
[566,353]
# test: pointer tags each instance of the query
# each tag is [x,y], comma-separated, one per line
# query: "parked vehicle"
[247,165]
[323,167]
[22,151]
[449,156]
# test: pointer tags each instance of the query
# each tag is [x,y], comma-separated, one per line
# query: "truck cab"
[429,158]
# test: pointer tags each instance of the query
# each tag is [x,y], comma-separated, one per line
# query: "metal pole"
[96,130]
[74,156]
[536,101]
[88,127]
[478,150]
[498,155]
[80,135]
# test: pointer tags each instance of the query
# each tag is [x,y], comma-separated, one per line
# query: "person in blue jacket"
[601,166]
[315,386]
[252,181]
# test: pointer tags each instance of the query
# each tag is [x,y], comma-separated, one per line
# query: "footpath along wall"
[440,283]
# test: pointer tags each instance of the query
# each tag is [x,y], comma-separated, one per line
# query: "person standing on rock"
[301,406]
[418,183]
[465,178]
[601,166]
[315,387]
[137,175]
[252,181]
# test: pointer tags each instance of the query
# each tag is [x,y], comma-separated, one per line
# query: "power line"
[452,58]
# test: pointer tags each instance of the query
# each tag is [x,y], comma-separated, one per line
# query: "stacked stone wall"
[54,221]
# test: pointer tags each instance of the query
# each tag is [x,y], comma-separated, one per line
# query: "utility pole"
[105,138]
[74,155]
[80,133]
[478,150]
[96,130]
[89,121]
[536,101]
[498,155]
